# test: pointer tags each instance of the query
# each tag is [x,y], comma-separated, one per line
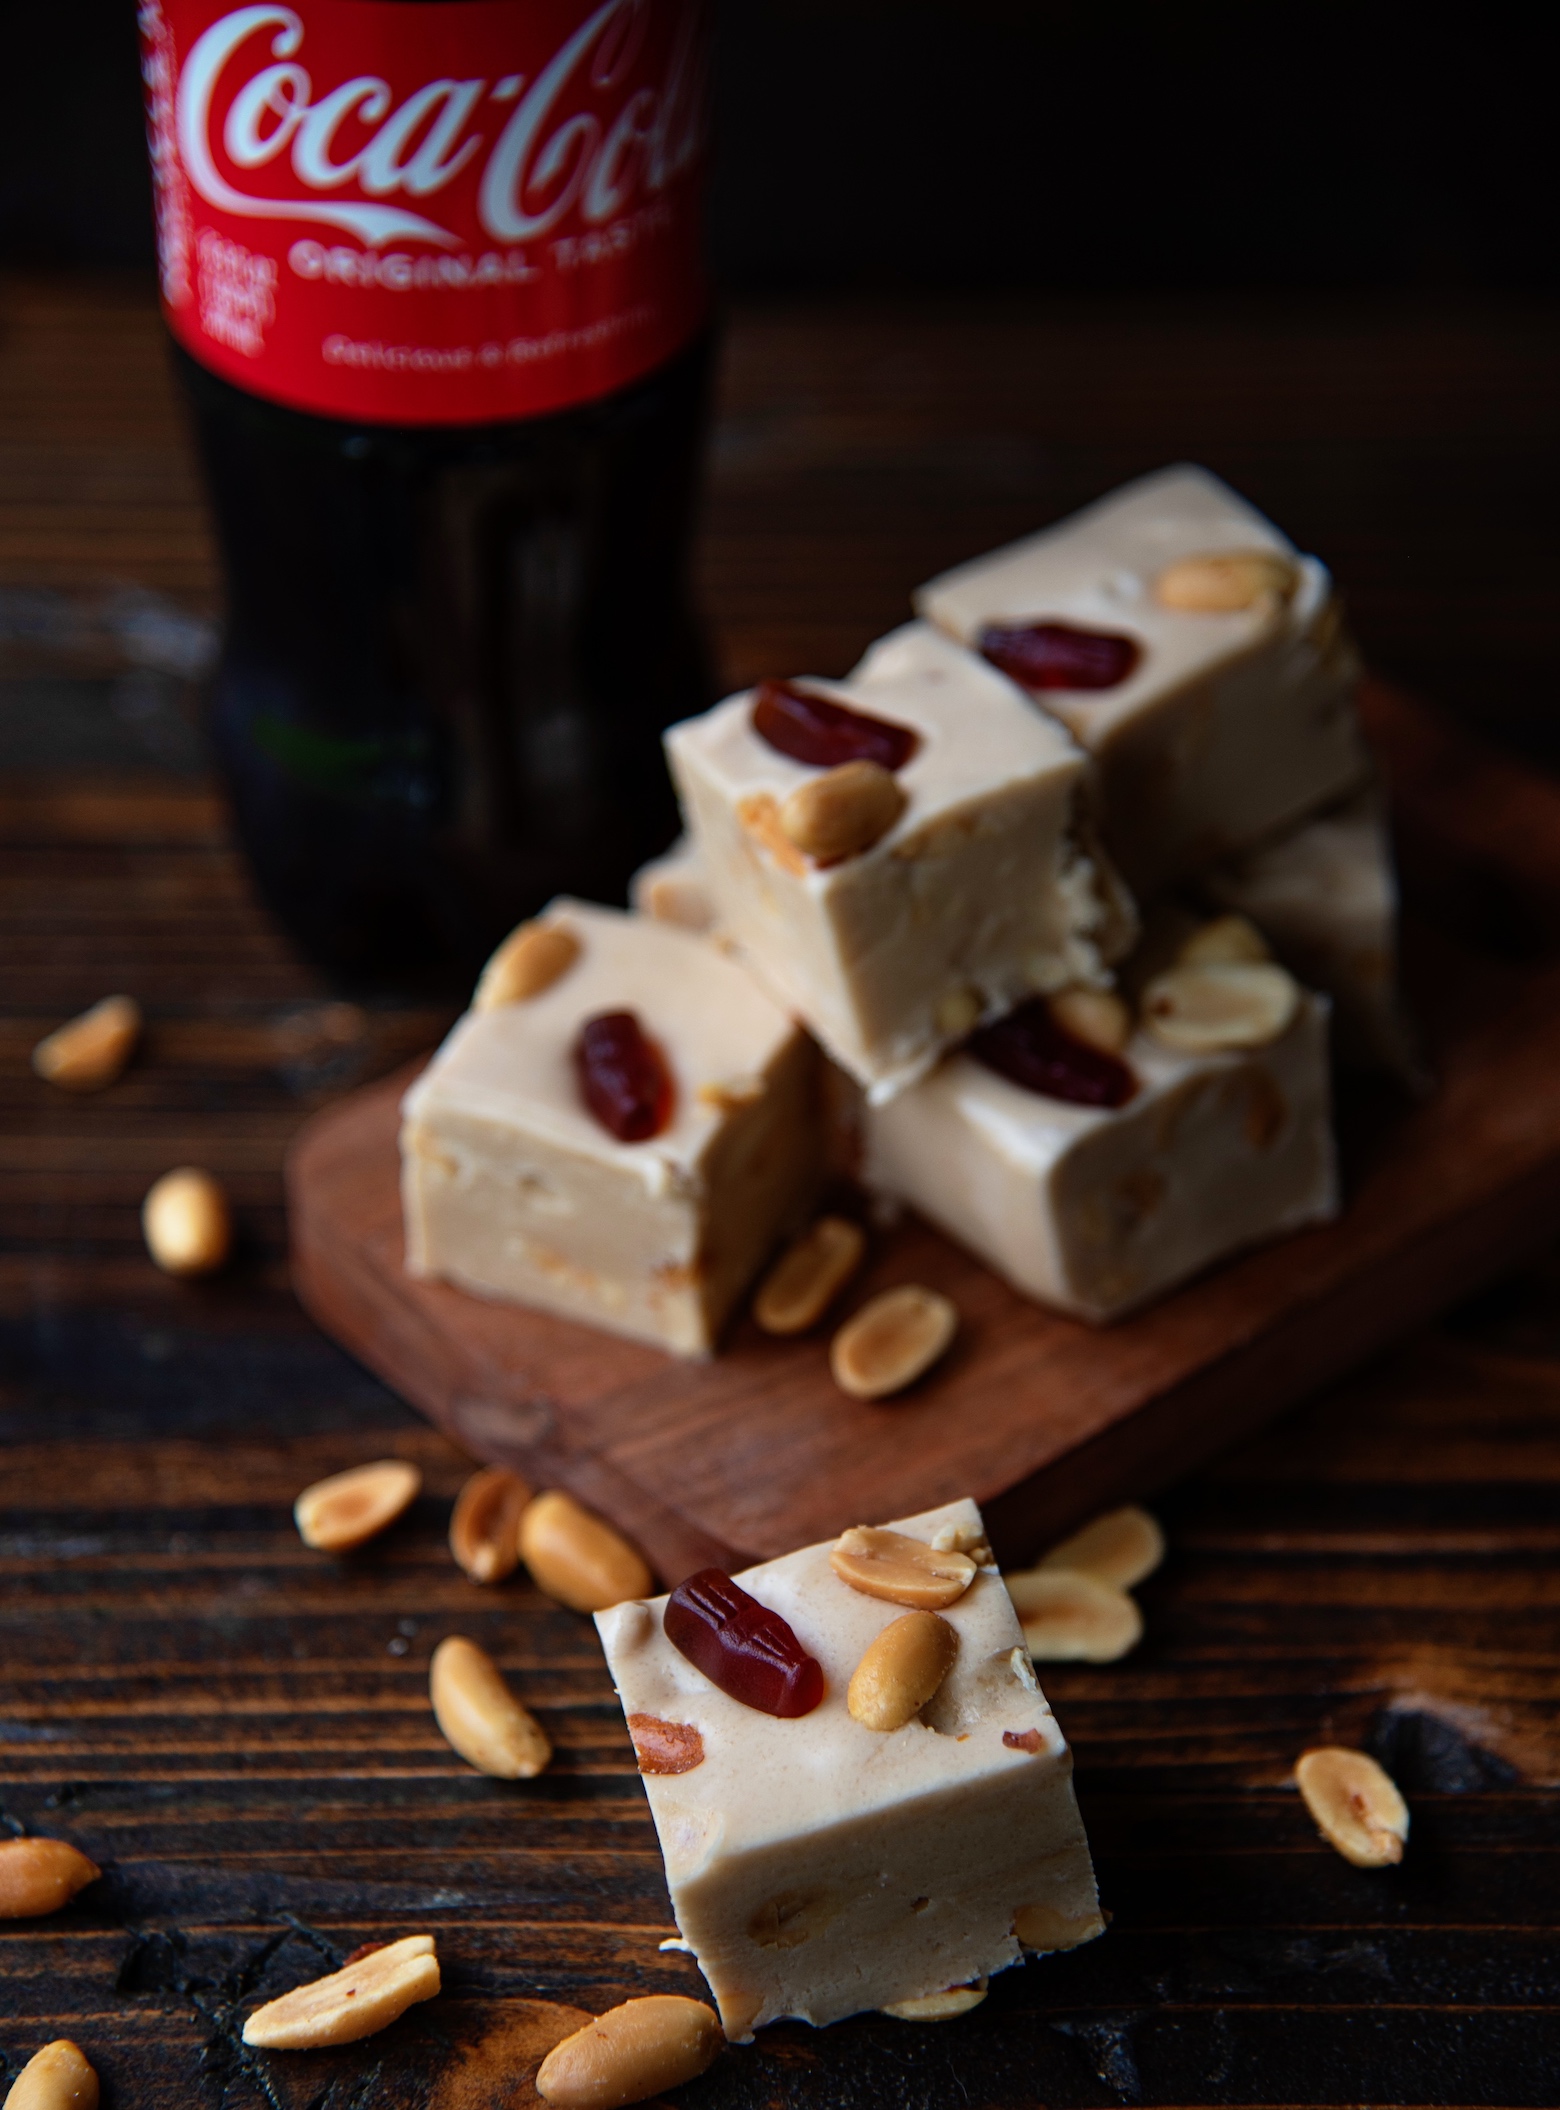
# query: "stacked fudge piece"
[898,913]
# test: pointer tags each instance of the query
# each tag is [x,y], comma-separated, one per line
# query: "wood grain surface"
[237,1730]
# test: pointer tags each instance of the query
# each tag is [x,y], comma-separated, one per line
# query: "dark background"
[956,143]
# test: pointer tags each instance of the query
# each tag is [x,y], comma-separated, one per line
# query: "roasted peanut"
[1097,1017]
[577,1558]
[631,2052]
[485,1524]
[901,1570]
[842,812]
[1072,1618]
[364,1996]
[901,1670]
[1356,1805]
[809,1275]
[892,1341]
[1227,941]
[56,2078]
[957,1013]
[678,895]
[187,1223]
[480,1717]
[530,960]
[350,1508]
[39,1876]
[1122,1547]
[1224,582]
[88,1053]
[1047,1927]
[938,2007]
[1231,1004]
[760,816]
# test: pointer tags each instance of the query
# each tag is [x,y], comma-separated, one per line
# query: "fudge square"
[1217,698]
[513,1188]
[1095,1210]
[817,1866]
[978,890]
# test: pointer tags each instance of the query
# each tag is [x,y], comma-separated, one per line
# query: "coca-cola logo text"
[566,141]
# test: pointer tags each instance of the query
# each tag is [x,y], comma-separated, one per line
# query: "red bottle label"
[427,214]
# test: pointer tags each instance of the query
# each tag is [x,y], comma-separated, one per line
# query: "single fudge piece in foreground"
[818,1866]
[514,1188]
[1213,681]
[1097,1209]
[1326,896]
[975,889]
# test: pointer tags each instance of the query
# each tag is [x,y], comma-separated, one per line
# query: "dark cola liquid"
[449,655]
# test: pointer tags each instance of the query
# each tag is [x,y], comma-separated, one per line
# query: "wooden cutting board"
[1042,1419]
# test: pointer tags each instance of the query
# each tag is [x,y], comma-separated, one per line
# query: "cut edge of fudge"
[817,1867]
[513,1191]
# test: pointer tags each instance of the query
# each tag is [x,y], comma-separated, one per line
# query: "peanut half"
[1356,1805]
[938,2007]
[902,1570]
[485,1524]
[1225,582]
[1072,1618]
[530,960]
[1097,1017]
[809,1275]
[631,2052]
[350,1508]
[1048,1927]
[1122,1547]
[1224,1005]
[901,1670]
[88,1053]
[39,1876]
[892,1341]
[187,1223]
[361,1998]
[577,1558]
[665,1747]
[1227,941]
[842,812]
[56,2078]
[480,1717]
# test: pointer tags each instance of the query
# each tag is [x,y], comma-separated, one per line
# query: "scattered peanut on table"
[577,1558]
[1356,1806]
[56,2078]
[809,1275]
[187,1223]
[1068,1617]
[1123,1547]
[630,2053]
[485,1524]
[91,1052]
[39,1876]
[892,1340]
[350,1508]
[480,1717]
[363,1997]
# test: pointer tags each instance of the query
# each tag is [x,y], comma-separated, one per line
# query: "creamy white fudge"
[1095,1211]
[512,1188]
[981,893]
[818,1867]
[1231,725]
[1325,895]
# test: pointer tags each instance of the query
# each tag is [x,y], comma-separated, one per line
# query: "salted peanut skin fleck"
[39,1876]
[1357,1806]
[350,1508]
[56,2078]
[480,1717]
[577,1558]
[363,1997]
[630,2053]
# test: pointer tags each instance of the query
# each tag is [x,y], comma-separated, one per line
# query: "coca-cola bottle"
[433,271]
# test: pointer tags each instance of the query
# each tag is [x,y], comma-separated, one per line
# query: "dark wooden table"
[238,1730]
